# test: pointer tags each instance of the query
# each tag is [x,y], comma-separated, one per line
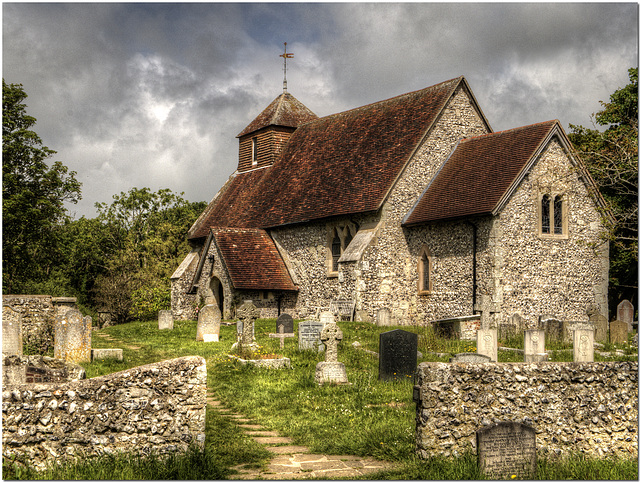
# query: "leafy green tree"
[33,197]
[611,156]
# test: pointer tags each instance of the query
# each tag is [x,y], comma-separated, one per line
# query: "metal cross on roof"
[286,56]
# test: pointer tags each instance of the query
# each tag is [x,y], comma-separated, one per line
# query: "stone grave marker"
[487,343]
[327,317]
[165,320]
[625,313]
[582,345]
[534,346]
[601,325]
[209,318]
[552,326]
[72,336]
[282,335]
[309,335]
[383,317]
[507,330]
[248,314]
[507,449]
[331,370]
[398,355]
[11,331]
[469,358]
[618,332]
[487,308]
[286,321]
[518,321]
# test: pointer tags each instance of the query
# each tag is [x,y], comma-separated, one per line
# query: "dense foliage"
[119,261]
[611,156]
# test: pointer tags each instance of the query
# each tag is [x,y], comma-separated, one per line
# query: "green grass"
[367,418]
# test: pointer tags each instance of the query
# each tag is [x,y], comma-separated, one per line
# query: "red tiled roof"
[340,164]
[478,173]
[285,111]
[252,260]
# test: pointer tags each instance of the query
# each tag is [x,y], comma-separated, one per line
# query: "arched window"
[553,216]
[545,213]
[338,238]
[424,271]
[336,250]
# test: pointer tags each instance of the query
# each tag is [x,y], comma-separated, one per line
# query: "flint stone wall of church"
[183,304]
[38,317]
[156,408]
[574,407]
[535,276]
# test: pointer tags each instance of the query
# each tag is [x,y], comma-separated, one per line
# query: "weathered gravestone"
[618,332]
[165,320]
[487,308]
[248,314]
[309,335]
[507,450]
[553,328]
[331,370]
[286,321]
[398,355]
[469,358]
[625,313]
[383,317]
[72,337]
[600,324]
[507,330]
[209,318]
[327,317]
[282,335]
[582,345]
[487,343]
[11,331]
[106,354]
[534,346]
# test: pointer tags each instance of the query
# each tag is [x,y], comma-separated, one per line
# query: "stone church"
[412,205]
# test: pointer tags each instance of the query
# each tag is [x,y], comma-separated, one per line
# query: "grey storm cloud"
[153,95]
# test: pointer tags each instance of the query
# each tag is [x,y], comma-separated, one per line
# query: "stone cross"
[248,313]
[281,335]
[331,335]
[486,308]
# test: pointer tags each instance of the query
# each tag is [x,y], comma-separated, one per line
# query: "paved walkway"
[294,461]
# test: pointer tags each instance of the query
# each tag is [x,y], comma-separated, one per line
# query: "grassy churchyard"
[367,418]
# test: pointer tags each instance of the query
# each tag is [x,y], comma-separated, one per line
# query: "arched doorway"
[218,291]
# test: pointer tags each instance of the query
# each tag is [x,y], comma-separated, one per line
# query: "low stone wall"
[574,407]
[156,408]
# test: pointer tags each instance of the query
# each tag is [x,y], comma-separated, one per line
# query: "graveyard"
[349,393]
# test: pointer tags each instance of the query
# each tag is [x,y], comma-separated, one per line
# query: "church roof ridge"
[510,131]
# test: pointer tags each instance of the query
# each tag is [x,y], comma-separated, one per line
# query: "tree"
[611,156]
[33,197]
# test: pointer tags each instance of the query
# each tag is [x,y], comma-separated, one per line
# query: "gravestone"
[383,317]
[534,346]
[72,337]
[552,326]
[309,335]
[331,370]
[209,319]
[106,354]
[487,343]
[507,330]
[398,355]
[518,321]
[248,314]
[600,324]
[487,308]
[165,320]
[282,335]
[327,317]
[582,345]
[507,450]
[469,358]
[11,331]
[625,313]
[618,332]
[286,321]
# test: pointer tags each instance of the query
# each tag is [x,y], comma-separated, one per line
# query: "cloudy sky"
[153,95]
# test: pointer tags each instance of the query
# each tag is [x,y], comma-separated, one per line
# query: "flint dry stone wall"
[38,315]
[156,408]
[574,407]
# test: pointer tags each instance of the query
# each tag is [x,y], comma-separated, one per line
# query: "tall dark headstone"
[286,321]
[398,355]
[507,449]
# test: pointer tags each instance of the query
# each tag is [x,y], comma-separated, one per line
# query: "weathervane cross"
[286,56]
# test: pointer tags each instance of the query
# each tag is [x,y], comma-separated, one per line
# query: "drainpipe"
[475,248]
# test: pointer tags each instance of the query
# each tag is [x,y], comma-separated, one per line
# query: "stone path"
[294,461]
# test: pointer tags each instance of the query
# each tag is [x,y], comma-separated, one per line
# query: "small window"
[336,251]
[424,271]
[254,151]
[338,238]
[553,216]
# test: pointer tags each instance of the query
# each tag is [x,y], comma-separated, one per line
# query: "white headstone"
[383,317]
[331,370]
[534,346]
[327,317]
[165,320]
[11,331]
[487,343]
[582,345]
[209,319]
